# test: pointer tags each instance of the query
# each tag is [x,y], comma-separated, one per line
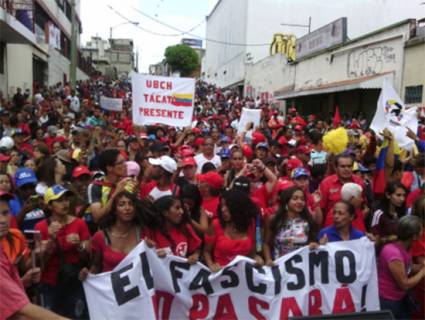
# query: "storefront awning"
[369,82]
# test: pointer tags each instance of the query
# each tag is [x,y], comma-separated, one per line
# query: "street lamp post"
[135,23]
[299,25]
[73,62]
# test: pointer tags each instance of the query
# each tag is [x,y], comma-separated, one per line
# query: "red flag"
[337,118]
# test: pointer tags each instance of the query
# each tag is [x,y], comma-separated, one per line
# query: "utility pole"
[73,64]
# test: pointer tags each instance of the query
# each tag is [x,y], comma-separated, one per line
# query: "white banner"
[54,36]
[162,100]
[337,278]
[392,114]
[249,115]
[111,104]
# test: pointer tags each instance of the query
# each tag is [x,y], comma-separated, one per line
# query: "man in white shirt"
[207,155]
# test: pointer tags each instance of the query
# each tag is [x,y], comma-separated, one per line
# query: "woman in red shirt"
[233,233]
[121,230]
[174,234]
[66,246]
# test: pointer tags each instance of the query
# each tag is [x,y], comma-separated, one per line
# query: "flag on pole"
[392,114]
[337,118]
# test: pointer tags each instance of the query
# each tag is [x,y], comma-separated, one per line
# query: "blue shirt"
[333,234]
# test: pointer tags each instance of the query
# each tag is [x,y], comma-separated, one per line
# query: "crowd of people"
[80,187]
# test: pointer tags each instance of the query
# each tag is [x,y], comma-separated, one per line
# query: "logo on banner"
[394,111]
[181,249]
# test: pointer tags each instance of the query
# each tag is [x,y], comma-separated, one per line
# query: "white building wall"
[19,67]
[264,18]
[58,66]
[380,53]
[223,64]
[268,75]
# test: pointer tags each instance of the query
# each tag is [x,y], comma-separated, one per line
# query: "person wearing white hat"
[6,143]
[162,174]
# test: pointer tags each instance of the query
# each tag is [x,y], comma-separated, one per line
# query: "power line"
[141,28]
[185,32]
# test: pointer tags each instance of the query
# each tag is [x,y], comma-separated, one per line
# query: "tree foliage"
[182,58]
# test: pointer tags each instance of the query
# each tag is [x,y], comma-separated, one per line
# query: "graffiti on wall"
[369,61]
[284,44]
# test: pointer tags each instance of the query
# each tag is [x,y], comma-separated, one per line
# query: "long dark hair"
[162,205]
[241,208]
[385,203]
[144,215]
[191,191]
[281,216]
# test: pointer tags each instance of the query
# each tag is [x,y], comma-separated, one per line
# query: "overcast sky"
[97,18]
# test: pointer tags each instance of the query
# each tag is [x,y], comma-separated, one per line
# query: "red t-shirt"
[110,258]
[184,240]
[357,223]
[69,250]
[12,293]
[412,197]
[210,205]
[330,189]
[226,249]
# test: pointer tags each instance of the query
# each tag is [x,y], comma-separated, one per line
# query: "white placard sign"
[340,277]
[249,115]
[163,100]
[111,104]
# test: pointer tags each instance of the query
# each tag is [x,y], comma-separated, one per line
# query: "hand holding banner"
[162,100]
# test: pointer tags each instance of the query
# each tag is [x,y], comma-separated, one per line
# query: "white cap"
[350,190]
[165,162]
[7,143]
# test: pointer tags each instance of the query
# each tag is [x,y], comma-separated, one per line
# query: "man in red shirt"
[14,301]
[330,187]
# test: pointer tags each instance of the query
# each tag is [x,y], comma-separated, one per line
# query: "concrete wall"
[58,66]
[380,53]
[268,75]
[414,69]
[19,67]
[223,64]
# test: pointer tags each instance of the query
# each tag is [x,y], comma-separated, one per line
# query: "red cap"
[79,171]
[247,151]
[199,141]
[258,137]
[4,158]
[189,161]
[293,163]
[298,128]
[186,151]
[303,149]
[282,140]
[196,130]
[212,178]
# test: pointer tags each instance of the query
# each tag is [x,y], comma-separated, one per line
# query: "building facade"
[43,58]
[240,32]
[348,75]
[114,58]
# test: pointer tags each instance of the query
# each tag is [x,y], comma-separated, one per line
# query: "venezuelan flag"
[379,182]
[182,100]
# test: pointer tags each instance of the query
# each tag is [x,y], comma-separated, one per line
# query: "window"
[413,94]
